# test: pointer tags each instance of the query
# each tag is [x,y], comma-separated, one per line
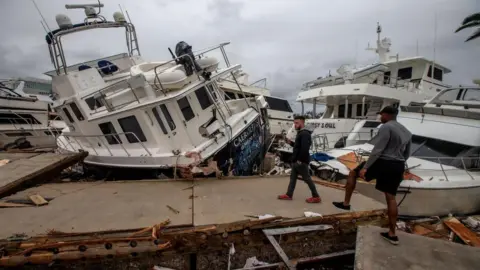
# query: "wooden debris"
[4,204]
[4,161]
[191,197]
[330,184]
[467,236]
[173,209]
[38,200]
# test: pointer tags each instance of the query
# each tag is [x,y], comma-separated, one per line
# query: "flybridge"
[93,20]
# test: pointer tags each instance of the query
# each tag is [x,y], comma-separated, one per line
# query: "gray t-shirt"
[392,142]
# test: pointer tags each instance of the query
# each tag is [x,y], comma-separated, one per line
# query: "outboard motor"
[182,50]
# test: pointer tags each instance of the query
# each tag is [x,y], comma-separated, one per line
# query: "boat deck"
[25,169]
[95,206]
[413,252]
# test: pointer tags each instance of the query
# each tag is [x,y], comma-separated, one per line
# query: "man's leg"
[291,185]
[303,171]
[392,213]
[350,187]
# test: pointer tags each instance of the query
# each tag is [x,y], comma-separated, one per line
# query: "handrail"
[114,135]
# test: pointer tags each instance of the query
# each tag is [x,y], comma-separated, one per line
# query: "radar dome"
[90,12]
[118,17]
[63,21]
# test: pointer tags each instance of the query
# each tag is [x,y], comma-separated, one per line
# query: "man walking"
[386,164]
[301,161]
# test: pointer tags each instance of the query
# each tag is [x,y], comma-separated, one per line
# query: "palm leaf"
[473,17]
[468,25]
[475,35]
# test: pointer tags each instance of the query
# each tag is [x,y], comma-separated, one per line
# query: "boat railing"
[21,121]
[158,84]
[458,163]
[320,142]
[98,139]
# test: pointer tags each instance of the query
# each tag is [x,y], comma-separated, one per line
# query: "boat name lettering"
[244,136]
[323,125]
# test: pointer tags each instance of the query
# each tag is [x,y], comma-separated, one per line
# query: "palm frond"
[473,17]
[475,35]
[468,25]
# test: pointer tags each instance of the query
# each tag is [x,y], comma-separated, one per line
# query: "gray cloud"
[288,42]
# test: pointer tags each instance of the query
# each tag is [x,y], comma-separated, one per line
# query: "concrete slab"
[414,252]
[230,200]
[93,206]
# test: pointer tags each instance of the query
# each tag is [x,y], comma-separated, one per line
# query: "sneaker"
[341,205]
[391,239]
[314,200]
[284,197]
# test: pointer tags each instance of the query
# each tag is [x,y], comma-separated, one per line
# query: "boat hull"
[422,202]
[242,156]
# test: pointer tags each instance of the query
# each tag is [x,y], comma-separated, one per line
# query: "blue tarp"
[322,157]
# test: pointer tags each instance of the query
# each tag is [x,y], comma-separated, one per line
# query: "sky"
[289,42]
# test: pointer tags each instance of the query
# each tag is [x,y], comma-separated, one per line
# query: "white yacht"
[280,113]
[170,116]
[353,98]
[444,165]
[25,120]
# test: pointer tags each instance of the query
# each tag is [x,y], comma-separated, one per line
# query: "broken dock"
[180,224]
[20,170]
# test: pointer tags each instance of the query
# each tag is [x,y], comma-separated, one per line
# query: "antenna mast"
[41,15]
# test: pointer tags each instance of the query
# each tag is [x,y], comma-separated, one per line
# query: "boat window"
[230,95]
[159,120]
[278,104]
[69,116]
[77,111]
[110,134]
[405,73]
[444,152]
[186,109]
[93,103]
[203,98]
[19,118]
[386,77]
[54,132]
[168,117]
[359,109]
[371,124]
[437,74]
[341,111]
[18,134]
[449,95]
[131,127]
[472,95]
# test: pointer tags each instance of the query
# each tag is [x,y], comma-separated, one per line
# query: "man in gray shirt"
[386,164]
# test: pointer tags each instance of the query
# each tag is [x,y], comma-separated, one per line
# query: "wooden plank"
[4,204]
[38,200]
[318,181]
[23,173]
[467,236]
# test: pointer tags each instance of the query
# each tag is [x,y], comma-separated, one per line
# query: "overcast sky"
[288,42]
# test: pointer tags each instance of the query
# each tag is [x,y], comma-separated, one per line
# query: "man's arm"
[305,142]
[296,150]
[406,152]
[382,139]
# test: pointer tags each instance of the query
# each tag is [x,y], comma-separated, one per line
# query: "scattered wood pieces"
[189,187]
[38,200]
[330,184]
[4,161]
[4,204]
[191,197]
[467,236]
[173,209]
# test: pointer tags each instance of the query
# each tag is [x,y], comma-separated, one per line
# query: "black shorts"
[388,173]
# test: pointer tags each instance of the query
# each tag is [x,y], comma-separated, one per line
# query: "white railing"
[474,165]
[98,139]
[320,142]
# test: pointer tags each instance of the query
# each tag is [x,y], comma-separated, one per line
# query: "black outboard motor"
[182,50]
